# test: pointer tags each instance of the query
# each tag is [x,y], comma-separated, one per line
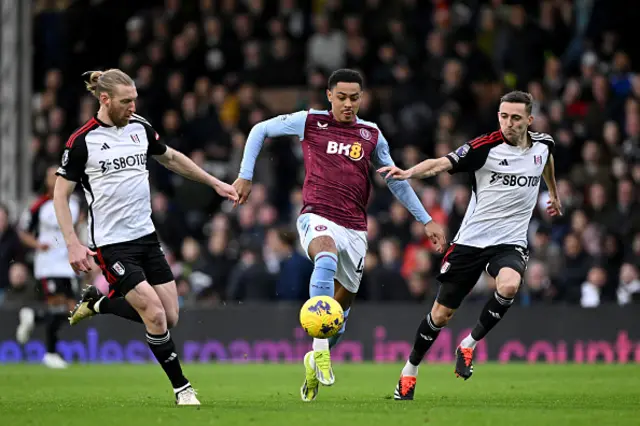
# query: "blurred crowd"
[206,71]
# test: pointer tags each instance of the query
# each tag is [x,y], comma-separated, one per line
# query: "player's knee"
[172,318]
[322,244]
[440,315]
[508,282]
[154,315]
[157,318]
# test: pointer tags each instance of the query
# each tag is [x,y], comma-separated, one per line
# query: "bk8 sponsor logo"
[352,150]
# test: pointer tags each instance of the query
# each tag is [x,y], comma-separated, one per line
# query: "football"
[321,317]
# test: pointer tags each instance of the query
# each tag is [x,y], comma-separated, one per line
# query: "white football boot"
[54,361]
[187,397]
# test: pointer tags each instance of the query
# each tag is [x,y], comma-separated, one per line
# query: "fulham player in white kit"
[58,284]
[505,168]
[108,157]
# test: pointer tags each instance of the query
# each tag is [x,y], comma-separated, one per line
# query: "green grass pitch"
[515,394]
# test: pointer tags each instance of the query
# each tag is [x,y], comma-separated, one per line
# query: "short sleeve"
[544,138]
[381,155]
[73,162]
[287,124]
[156,146]
[467,158]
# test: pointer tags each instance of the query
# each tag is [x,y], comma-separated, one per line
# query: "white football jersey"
[111,165]
[40,221]
[505,183]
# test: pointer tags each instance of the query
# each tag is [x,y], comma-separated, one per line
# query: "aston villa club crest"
[135,138]
[366,135]
[537,160]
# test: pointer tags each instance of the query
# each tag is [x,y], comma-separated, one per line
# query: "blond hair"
[106,81]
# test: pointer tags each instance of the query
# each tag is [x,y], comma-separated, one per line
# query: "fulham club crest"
[118,268]
[135,138]
[445,267]
[537,160]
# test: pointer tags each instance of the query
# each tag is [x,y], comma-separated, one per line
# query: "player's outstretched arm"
[184,166]
[549,174]
[427,168]
[431,167]
[78,254]
[282,125]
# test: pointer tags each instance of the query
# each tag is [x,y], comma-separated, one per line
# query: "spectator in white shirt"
[629,288]
[591,288]
[327,48]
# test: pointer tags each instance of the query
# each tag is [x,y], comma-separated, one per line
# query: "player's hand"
[79,257]
[394,172]
[42,247]
[554,207]
[227,191]
[435,233]
[243,186]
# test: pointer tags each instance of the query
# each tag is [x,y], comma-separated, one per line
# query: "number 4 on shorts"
[360,267]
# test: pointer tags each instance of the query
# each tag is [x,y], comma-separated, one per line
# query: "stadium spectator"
[21,289]
[10,248]
[546,251]
[292,267]
[386,282]
[538,284]
[591,289]
[629,289]
[250,280]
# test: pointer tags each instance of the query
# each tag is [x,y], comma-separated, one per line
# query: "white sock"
[469,342]
[96,306]
[320,344]
[410,370]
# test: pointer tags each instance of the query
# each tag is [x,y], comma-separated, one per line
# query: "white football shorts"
[351,245]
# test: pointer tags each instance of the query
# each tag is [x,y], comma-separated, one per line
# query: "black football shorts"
[55,286]
[462,266]
[125,265]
